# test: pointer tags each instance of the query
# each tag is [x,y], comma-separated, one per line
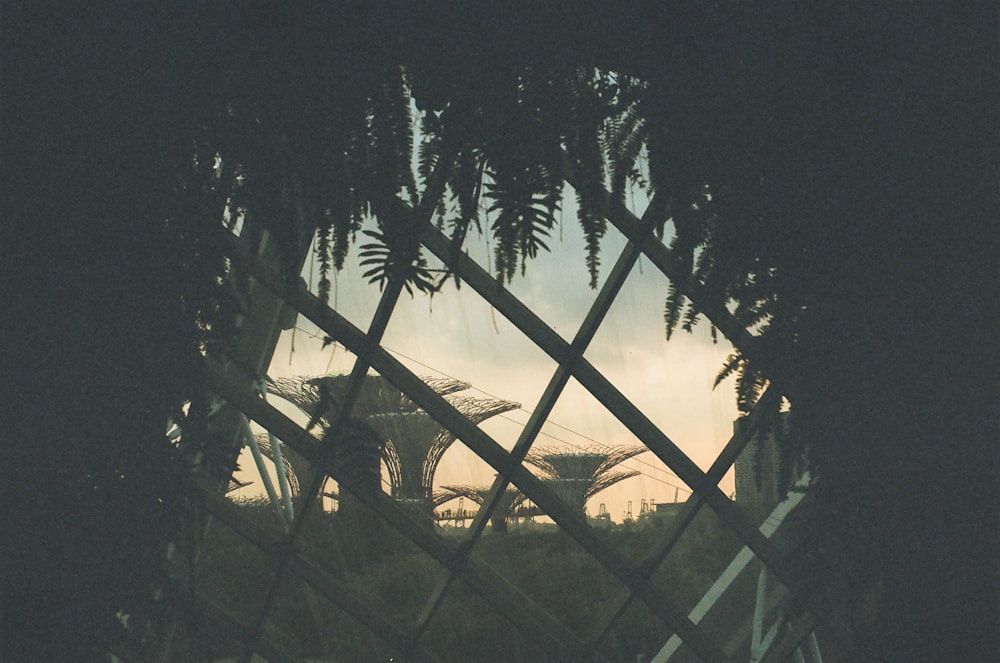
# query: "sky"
[457,334]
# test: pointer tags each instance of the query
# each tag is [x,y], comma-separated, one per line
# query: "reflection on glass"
[306,623]
[766,473]
[233,572]
[744,612]
[634,635]
[549,568]
[465,627]
[704,550]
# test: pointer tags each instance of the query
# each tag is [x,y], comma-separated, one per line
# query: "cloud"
[458,334]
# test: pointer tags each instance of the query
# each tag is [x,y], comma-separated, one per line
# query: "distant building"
[758,470]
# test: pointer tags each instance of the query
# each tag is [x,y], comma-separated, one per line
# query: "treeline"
[394,577]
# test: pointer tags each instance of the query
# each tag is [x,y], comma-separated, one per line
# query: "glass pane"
[557,285]
[305,349]
[596,463]
[669,381]
[375,562]
[695,563]
[351,295]
[467,628]
[635,635]
[461,485]
[553,572]
[307,623]
[458,336]
[231,571]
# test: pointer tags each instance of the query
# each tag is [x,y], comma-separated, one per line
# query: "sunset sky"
[457,334]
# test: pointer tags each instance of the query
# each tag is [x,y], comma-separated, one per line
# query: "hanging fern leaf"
[526,215]
[734,363]
[430,145]
[389,130]
[401,117]
[387,259]
[691,317]
[674,308]
[590,203]
[466,183]
[625,144]
[343,230]
[584,148]
[750,384]
[323,254]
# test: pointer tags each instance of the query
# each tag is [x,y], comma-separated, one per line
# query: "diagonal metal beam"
[225,625]
[737,334]
[376,329]
[686,515]
[517,608]
[626,222]
[486,448]
[308,497]
[609,396]
[229,514]
[540,413]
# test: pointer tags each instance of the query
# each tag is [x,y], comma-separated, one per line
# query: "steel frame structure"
[414,442]
[454,557]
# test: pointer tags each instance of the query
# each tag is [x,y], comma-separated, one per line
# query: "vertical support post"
[279,466]
[813,648]
[265,478]
[760,642]
[756,650]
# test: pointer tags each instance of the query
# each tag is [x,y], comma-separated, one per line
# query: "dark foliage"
[831,175]
[540,562]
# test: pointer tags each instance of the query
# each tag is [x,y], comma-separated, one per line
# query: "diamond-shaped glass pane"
[702,554]
[233,571]
[554,572]
[635,634]
[466,627]
[600,467]
[370,557]
[308,621]
[670,382]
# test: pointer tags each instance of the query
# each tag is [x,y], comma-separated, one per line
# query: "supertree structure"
[413,442]
[578,475]
[377,395]
[511,499]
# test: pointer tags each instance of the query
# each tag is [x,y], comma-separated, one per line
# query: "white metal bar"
[768,640]
[265,477]
[281,470]
[758,616]
[813,648]
[739,563]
